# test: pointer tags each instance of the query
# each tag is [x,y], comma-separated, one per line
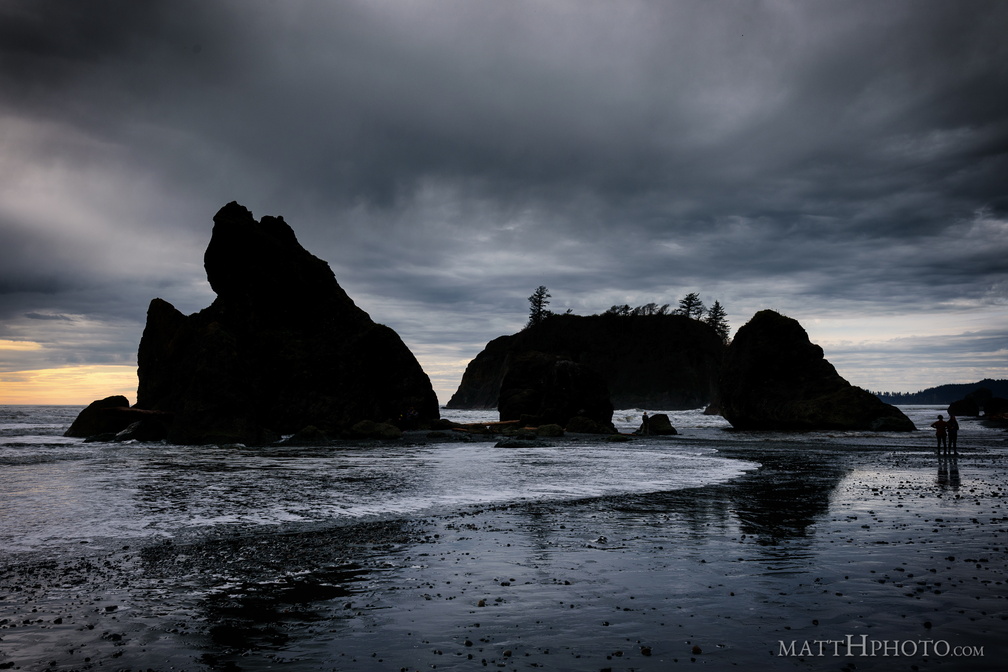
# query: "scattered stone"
[582,425]
[369,429]
[520,443]
[550,430]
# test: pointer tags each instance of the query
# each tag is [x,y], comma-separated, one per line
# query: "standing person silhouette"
[953,433]
[940,426]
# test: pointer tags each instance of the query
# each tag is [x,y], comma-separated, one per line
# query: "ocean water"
[60,492]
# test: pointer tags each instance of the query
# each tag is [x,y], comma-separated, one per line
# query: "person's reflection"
[948,471]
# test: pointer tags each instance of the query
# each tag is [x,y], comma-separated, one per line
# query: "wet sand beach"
[831,558]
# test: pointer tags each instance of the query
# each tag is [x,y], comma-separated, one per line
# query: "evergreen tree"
[691,306]
[537,306]
[716,319]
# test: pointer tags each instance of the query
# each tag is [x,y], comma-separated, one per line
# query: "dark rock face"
[113,418]
[996,406]
[541,388]
[281,348]
[153,428]
[308,436]
[100,417]
[655,361]
[658,424]
[582,425]
[965,407]
[775,378]
[369,429]
[980,402]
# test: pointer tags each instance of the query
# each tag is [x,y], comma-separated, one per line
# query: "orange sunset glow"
[71,385]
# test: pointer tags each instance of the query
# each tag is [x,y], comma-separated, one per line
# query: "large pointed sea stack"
[774,377]
[282,347]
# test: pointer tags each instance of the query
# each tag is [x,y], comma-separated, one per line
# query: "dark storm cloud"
[447,157]
[653,106]
[677,112]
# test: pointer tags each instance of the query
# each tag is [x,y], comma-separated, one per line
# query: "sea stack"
[775,378]
[281,348]
[541,388]
[646,361]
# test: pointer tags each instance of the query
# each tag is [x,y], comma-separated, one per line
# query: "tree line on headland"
[690,305]
[693,307]
[946,394]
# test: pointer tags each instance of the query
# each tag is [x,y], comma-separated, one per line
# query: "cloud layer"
[836,161]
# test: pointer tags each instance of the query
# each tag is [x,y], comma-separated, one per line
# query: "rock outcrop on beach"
[980,402]
[996,406]
[281,348]
[965,407]
[652,361]
[657,424]
[995,411]
[775,378]
[113,419]
[541,389]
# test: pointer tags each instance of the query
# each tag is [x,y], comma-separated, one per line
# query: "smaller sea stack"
[775,378]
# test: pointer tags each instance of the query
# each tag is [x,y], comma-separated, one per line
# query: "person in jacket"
[952,427]
[940,427]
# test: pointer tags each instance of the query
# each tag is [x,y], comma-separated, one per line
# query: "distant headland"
[946,394]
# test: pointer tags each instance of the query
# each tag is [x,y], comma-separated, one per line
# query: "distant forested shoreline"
[945,394]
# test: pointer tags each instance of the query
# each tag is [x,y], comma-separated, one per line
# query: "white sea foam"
[56,490]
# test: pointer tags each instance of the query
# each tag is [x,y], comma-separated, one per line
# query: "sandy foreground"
[824,558]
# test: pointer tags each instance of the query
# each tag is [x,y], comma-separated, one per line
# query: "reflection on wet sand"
[787,494]
[781,499]
[948,472]
[262,615]
[265,594]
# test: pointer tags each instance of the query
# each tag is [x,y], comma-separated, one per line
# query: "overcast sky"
[845,163]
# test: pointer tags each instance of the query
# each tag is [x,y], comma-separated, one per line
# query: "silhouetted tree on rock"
[537,306]
[716,318]
[691,306]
